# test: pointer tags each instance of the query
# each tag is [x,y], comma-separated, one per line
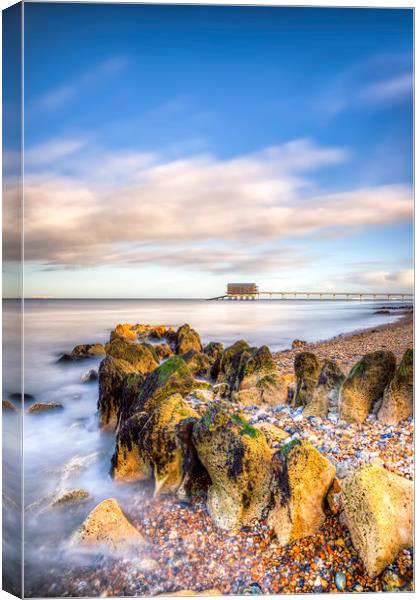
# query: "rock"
[89,376]
[325,394]
[391,581]
[44,406]
[238,460]
[365,385]
[187,339]
[163,351]
[124,331]
[106,528]
[333,498]
[225,368]
[112,372]
[307,371]
[344,468]
[18,397]
[303,477]
[272,433]
[298,344]
[209,592]
[141,356]
[397,404]
[214,351]
[378,507]
[198,363]
[166,444]
[7,405]
[253,589]
[76,496]
[87,351]
[258,380]
[341,581]
[173,376]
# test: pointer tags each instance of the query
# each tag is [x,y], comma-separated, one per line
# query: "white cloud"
[243,215]
[388,89]
[45,154]
[389,281]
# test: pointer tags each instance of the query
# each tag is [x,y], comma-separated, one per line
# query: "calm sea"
[64,450]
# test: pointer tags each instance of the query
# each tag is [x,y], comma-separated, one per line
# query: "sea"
[64,449]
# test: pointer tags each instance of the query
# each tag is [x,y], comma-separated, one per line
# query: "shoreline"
[348,348]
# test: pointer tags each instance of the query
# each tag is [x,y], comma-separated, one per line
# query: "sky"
[171,149]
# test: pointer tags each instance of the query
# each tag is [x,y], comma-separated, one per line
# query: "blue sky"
[170,149]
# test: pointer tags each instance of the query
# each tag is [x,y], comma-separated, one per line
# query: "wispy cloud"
[61,95]
[47,153]
[388,89]
[392,281]
[243,215]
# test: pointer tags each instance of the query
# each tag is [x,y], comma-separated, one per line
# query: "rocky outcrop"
[89,376]
[378,508]
[397,404]
[44,407]
[225,368]
[198,363]
[163,351]
[141,356]
[298,344]
[70,498]
[326,392]
[106,528]
[258,380]
[128,462]
[112,372]
[166,444]
[237,458]
[307,371]
[187,339]
[365,385]
[83,351]
[302,479]
[124,331]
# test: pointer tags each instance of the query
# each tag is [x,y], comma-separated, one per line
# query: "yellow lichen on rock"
[128,461]
[302,479]
[112,372]
[379,510]
[397,404]
[238,460]
[272,433]
[125,331]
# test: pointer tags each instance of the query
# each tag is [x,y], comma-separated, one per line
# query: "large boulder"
[258,380]
[302,478]
[397,404]
[166,444]
[225,368]
[379,509]
[112,372]
[325,395]
[307,371]
[106,528]
[83,351]
[141,356]
[187,339]
[237,458]
[163,350]
[124,331]
[365,385]
[139,400]
[214,350]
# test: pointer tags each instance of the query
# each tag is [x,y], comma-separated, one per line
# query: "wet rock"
[365,385]
[302,479]
[112,372]
[163,351]
[44,406]
[307,371]
[187,339]
[225,368]
[198,363]
[17,396]
[89,376]
[9,406]
[76,496]
[83,351]
[238,460]
[325,394]
[166,444]
[378,507]
[106,528]
[213,350]
[298,344]
[397,403]
[140,356]
[258,380]
[129,462]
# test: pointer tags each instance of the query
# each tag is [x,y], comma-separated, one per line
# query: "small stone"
[90,375]
[253,589]
[340,581]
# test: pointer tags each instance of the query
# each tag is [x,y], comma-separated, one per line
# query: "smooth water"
[64,449]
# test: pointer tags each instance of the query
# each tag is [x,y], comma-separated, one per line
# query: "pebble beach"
[191,553]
